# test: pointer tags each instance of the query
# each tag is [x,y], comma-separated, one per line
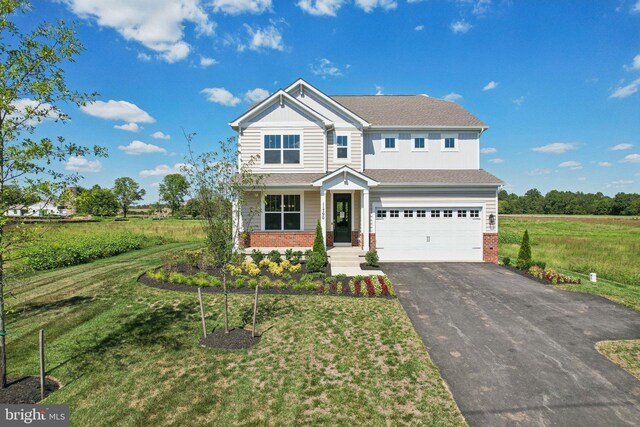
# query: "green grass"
[578,246]
[128,355]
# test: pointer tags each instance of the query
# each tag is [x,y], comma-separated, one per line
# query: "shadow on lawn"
[28,309]
[268,309]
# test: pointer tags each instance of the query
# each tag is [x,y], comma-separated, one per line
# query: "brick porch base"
[490,247]
[279,239]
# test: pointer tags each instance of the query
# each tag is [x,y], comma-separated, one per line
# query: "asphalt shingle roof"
[408,110]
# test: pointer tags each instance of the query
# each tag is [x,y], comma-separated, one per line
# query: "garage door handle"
[428,239]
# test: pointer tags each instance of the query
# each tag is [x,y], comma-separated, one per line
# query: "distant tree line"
[568,203]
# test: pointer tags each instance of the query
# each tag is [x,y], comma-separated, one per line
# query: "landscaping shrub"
[286,264]
[369,285]
[552,275]
[274,256]
[318,242]
[371,257]
[288,254]
[524,256]
[540,264]
[257,256]
[332,283]
[506,261]
[74,250]
[296,258]
[316,262]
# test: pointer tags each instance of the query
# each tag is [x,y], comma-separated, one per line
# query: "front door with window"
[342,218]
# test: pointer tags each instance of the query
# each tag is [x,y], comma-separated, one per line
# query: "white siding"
[467,155]
[355,142]
[311,209]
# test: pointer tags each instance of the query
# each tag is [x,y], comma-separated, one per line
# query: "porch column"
[367,220]
[323,215]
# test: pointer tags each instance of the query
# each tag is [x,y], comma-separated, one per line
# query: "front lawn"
[129,355]
[625,354]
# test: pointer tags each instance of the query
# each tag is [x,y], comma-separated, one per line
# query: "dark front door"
[342,218]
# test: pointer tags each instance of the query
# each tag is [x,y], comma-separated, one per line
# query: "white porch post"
[323,215]
[366,219]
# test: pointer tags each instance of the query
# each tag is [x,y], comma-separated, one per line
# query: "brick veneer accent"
[329,238]
[280,239]
[355,236]
[490,247]
[372,241]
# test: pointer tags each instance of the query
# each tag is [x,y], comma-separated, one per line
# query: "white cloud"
[542,171]
[325,68]
[497,161]
[460,27]
[555,148]
[263,38]
[220,95]
[626,91]
[45,110]
[236,7]
[481,7]
[144,57]
[488,150]
[631,158]
[379,90]
[635,64]
[160,135]
[369,5]
[636,7]
[158,25]
[162,170]
[117,110]
[129,127]
[605,164]
[621,147]
[207,62]
[452,96]
[490,86]
[571,164]
[138,147]
[582,178]
[519,101]
[321,7]
[419,27]
[619,184]
[257,94]
[82,164]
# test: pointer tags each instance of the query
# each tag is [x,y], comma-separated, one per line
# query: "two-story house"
[396,173]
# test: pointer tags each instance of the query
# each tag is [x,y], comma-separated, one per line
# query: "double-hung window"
[389,142]
[282,212]
[342,147]
[281,149]
[419,143]
[449,143]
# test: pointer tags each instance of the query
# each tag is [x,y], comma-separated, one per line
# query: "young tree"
[98,201]
[33,89]
[318,242]
[173,189]
[524,255]
[221,187]
[127,191]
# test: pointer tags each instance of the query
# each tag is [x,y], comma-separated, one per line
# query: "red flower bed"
[370,290]
[358,286]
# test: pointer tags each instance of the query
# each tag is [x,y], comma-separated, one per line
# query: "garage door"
[433,234]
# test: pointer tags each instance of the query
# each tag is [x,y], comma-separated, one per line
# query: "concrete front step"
[345,264]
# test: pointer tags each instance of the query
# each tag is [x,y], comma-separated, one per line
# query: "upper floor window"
[342,147]
[450,143]
[389,143]
[281,149]
[419,142]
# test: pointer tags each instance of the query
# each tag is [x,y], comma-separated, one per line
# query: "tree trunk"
[3,348]
[226,305]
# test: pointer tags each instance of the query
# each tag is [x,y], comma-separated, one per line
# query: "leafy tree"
[98,201]
[127,191]
[524,255]
[173,189]
[14,195]
[192,208]
[33,90]
[222,184]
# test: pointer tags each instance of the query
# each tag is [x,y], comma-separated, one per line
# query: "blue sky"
[557,82]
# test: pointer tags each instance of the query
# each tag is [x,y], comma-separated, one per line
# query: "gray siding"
[311,209]
[466,157]
[355,140]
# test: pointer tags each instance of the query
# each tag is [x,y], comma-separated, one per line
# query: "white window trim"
[282,132]
[444,136]
[281,193]
[335,146]
[390,135]
[420,135]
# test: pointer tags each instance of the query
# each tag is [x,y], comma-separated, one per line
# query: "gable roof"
[345,169]
[409,111]
[278,96]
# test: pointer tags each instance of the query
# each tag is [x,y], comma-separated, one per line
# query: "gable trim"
[279,96]
[337,105]
[345,169]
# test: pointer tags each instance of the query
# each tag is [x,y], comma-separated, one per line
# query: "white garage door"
[431,234]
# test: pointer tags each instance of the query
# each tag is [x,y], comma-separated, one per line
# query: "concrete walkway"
[516,352]
[346,260]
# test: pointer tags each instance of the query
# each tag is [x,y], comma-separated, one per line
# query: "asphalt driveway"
[516,352]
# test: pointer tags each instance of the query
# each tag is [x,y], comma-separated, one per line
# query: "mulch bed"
[526,274]
[365,266]
[191,270]
[26,390]
[236,339]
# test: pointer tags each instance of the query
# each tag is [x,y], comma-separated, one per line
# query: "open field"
[129,355]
